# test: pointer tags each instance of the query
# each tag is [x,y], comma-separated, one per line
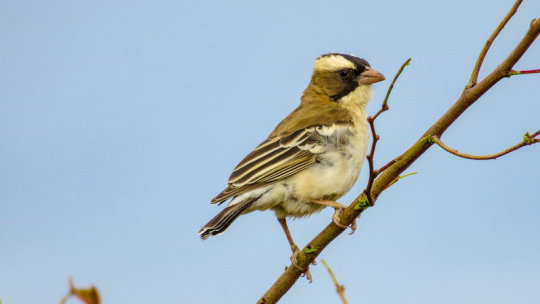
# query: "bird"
[312,158]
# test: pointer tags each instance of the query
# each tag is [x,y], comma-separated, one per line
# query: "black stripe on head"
[359,62]
[349,87]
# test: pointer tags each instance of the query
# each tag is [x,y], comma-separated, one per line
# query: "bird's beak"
[370,76]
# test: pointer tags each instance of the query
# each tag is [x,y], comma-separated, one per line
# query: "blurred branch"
[340,289]
[86,295]
[528,139]
[468,97]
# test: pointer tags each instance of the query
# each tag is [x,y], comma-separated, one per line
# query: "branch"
[340,289]
[391,87]
[400,177]
[528,139]
[375,138]
[512,72]
[485,49]
[86,295]
[355,209]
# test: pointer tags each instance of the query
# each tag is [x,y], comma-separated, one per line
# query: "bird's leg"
[294,248]
[338,209]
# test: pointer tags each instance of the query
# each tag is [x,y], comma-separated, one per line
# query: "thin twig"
[482,55]
[369,157]
[528,139]
[512,72]
[70,292]
[65,298]
[375,138]
[381,169]
[400,177]
[340,289]
[391,87]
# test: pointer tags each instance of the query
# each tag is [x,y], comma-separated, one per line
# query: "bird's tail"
[224,219]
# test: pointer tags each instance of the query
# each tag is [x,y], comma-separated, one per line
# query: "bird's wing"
[279,157]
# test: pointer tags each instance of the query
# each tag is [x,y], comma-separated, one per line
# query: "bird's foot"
[305,272]
[335,219]
[338,210]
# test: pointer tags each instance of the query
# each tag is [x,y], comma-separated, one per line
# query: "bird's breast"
[337,168]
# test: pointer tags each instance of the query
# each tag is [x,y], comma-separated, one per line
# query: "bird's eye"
[344,74]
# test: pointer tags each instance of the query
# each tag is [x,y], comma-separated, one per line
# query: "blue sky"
[120,120]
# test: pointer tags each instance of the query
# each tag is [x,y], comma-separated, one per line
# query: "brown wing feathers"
[286,151]
[264,166]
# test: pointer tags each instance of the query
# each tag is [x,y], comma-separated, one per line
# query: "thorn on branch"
[408,174]
[400,177]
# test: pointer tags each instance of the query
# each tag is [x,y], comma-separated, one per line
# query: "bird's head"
[343,79]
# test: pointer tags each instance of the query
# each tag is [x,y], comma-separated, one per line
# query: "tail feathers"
[224,219]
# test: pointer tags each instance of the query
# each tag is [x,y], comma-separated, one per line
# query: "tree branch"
[375,138]
[355,209]
[487,45]
[391,87]
[512,72]
[528,139]
[86,295]
[340,289]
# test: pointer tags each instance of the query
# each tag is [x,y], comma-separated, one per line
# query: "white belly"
[330,178]
[335,173]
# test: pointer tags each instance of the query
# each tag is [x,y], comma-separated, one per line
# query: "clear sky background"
[120,120]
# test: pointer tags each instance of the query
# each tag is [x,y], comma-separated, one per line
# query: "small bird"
[313,157]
